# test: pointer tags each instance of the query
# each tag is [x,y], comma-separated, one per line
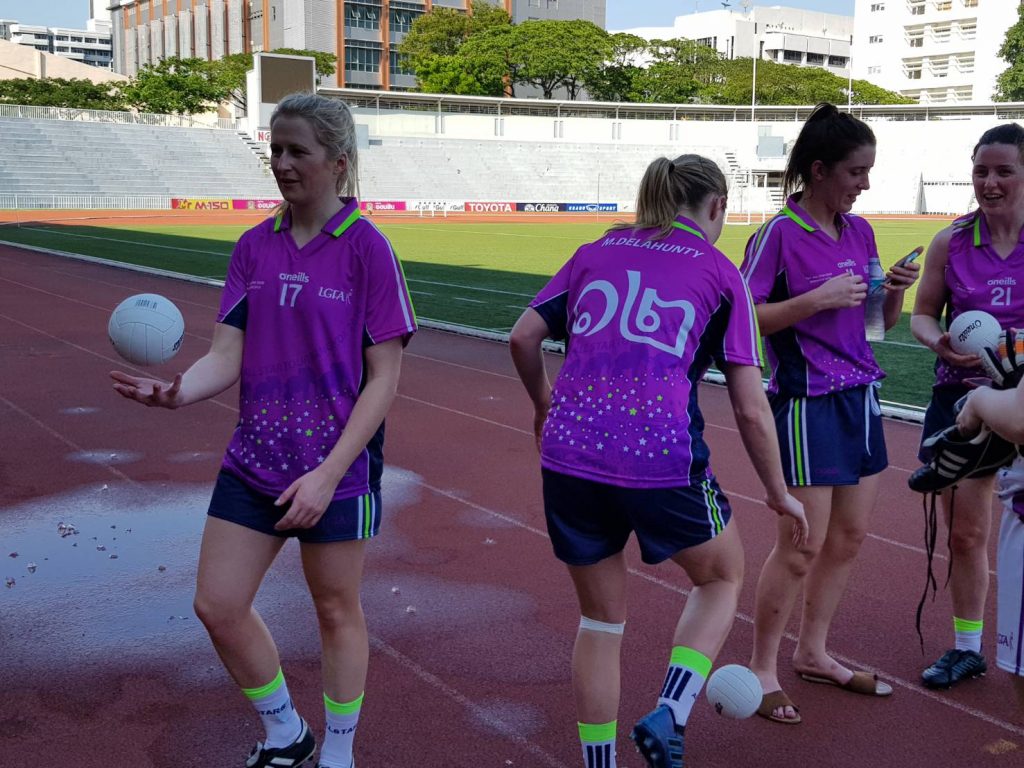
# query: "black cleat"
[953,667]
[658,740]
[295,754]
[952,457]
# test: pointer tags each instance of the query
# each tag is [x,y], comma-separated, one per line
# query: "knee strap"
[601,626]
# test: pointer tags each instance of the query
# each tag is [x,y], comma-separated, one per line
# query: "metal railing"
[365,100]
[124,118]
[12,202]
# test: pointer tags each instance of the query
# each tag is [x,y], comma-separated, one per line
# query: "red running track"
[471,617]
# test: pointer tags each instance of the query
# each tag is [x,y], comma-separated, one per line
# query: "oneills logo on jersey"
[848,264]
[298,277]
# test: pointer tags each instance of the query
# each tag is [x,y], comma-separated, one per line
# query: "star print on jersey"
[628,415]
[300,434]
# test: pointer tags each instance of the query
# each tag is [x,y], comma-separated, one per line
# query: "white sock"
[598,742]
[968,634]
[342,719]
[687,671]
[274,705]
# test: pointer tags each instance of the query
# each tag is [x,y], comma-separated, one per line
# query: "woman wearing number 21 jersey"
[977,263]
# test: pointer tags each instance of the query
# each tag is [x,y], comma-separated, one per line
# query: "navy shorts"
[589,521]
[939,415]
[349,519]
[831,439]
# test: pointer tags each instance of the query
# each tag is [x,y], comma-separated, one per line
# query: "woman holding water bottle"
[820,294]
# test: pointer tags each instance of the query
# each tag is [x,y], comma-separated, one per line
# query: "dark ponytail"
[829,136]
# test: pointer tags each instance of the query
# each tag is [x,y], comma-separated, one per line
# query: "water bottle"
[874,304]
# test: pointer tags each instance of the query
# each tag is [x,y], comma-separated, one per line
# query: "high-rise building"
[934,51]
[90,46]
[786,35]
[363,34]
[87,46]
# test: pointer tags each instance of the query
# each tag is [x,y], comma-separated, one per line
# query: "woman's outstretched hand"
[152,393]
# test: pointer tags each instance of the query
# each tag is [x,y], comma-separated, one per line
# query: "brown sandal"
[774,700]
[861,682]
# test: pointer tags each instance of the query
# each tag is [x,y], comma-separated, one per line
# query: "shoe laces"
[931,526]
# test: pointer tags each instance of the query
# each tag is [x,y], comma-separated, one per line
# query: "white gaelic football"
[972,331]
[734,691]
[146,329]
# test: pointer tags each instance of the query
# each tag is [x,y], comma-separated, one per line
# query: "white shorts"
[1010,575]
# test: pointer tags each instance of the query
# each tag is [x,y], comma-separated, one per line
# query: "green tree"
[494,55]
[680,72]
[785,84]
[443,31]
[1010,83]
[455,75]
[228,74]
[175,86]
[869,93]
[616,79]
[58,92]
[554,54]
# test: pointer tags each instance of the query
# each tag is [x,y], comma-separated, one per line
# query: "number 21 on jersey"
[1001,296]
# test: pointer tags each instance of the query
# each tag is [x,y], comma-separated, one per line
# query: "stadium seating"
[399,168]
[63,157]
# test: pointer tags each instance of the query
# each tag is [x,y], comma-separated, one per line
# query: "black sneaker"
[953,667]
[296,753]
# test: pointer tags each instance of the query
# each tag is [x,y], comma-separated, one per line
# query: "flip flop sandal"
[861,682]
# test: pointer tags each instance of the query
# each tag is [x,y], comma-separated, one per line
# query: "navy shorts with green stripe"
[589,521]
[831,439]
[349,519]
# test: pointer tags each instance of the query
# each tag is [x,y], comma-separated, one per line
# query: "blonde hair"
[668,186]
[334,128]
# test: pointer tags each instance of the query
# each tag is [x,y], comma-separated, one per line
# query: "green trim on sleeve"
[346,223]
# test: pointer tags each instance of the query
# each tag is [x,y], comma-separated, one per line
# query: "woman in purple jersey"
[977,263]
[644,311]
[313,319]
[806,269]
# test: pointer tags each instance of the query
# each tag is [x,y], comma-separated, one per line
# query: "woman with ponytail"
[644,311]
[807,270]
[313,319]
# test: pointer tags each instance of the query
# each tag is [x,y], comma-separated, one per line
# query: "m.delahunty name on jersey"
[651,245]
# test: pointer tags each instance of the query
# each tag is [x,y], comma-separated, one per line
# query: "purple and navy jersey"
[643,319]
[789,256]
[308,314]
[979,278]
